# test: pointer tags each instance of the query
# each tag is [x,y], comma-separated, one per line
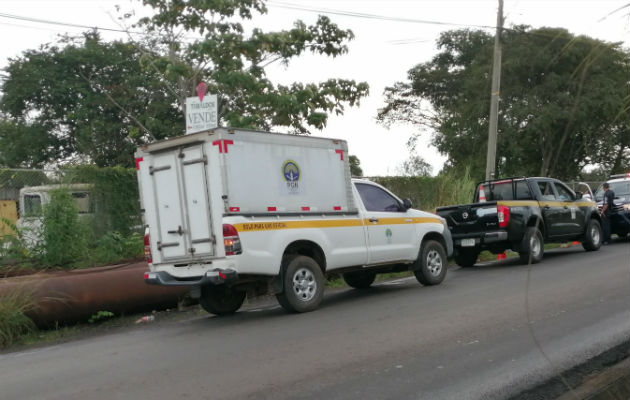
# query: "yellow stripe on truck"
[335,223]
[522,203]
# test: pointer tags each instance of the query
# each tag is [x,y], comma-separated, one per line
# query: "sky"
[381,53]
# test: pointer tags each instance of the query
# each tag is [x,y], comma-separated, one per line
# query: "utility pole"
[494,98]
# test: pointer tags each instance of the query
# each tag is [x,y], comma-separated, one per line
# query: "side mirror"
[579,195]
[407,204]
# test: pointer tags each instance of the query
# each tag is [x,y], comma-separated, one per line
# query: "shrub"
[65,237]
[14,305]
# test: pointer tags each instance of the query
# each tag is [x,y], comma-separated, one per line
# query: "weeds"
[100,316]
[14,323]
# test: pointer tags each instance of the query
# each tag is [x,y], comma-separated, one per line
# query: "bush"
[65,237]
[429,192]
[114,246]
[14,323]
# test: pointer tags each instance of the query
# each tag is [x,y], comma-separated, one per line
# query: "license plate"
[468,242]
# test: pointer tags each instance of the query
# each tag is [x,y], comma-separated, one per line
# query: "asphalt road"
[487,332]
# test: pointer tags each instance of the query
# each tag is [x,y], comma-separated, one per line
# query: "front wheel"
[532,248]
[593,236]
[303,285]
[221,300]
[430,267]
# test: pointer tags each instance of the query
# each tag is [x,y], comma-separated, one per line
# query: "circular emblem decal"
[465,215]
[290,171]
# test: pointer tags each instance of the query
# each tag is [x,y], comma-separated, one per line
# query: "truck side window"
[32,205]
[522,191]
[546,190]
[376,199]
[564,194]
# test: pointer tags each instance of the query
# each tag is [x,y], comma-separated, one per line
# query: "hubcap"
[304,284]
[434,262]
[595,235]
[534,245]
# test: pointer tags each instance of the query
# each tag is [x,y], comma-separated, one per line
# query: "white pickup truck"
[230,211]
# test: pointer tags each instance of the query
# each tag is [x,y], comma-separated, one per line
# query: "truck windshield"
[621,189]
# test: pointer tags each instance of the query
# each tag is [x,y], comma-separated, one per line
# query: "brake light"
[231,240]
[147,249]
[503,212]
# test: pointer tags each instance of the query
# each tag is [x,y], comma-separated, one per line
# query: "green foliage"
[233,63]
[14,322]
[65,238]
[83,97]
[428,193]
[114,247]
[355,166]
[100,316]
[17,179]
[115,196]
[13,248]
[564,102]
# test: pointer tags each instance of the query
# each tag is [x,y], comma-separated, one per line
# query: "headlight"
[626,207]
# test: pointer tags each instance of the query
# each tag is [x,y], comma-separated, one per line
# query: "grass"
[14,323]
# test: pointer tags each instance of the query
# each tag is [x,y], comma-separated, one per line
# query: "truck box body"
[189,183]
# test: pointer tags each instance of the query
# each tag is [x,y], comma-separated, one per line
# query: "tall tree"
[564,101]
[96,101]
[83,99]
[232,62]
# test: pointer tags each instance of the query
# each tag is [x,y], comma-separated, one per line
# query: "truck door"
[391,233]
[182,204]
[552,209]
[573,217]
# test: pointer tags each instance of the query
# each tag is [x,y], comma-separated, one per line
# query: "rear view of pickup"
[521,214]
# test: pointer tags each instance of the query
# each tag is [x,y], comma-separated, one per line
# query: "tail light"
[147,249]
[231,240]
[503,212]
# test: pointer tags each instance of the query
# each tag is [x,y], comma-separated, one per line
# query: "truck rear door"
[182,204]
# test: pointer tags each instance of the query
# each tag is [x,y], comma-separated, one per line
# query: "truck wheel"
[532,247]
[221,300]
[430,267]
[466,258]
[593,236]
[303,285]
[359,279]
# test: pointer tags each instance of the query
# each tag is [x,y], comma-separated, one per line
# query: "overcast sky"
[380,54]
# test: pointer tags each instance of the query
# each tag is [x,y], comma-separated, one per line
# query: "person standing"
[607,210]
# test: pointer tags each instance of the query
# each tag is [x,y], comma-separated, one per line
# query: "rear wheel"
[221,300]
[593,236]
[359,279]
[532,247]
[430,267]
[303,285]
[466,258]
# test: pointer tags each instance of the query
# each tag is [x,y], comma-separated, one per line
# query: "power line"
[50,22]
[291,6]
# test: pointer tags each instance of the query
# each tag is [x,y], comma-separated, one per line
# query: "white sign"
[201,115]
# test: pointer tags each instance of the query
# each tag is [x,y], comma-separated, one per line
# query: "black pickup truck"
[521,214]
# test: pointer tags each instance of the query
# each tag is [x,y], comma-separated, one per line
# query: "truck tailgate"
[470,218]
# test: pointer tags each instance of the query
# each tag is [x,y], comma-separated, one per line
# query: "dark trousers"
[606,227]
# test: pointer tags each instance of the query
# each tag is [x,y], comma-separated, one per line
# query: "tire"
[359,279]
[592,236]
[430,267]
[303,285]
[532,247]
[221,300]
[466,258]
